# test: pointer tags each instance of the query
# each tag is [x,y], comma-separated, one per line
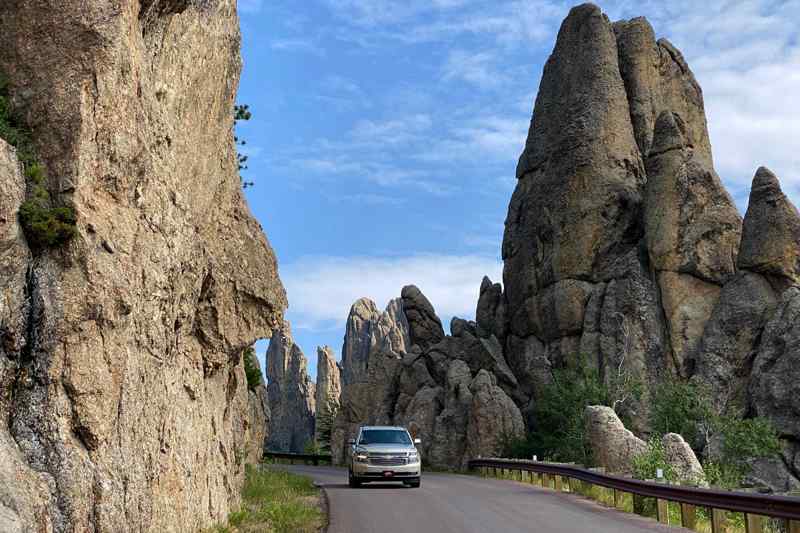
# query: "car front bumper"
[366,470]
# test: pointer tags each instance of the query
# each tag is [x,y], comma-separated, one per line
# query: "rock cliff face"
[636,257]
[123,398]
[291,394]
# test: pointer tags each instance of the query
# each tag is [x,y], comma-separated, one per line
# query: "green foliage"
[276,501]
[724,475]
[753,438]
[326,416]
[312,448]
[647,463]
[559,433]
[680,407]
[242,112]
[685,408]
[741,440]
[45,225]
[251,369]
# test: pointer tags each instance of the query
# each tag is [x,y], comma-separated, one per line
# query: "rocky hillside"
[123,397]
[622,251]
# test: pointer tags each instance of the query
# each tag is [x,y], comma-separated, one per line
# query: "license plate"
[388,474]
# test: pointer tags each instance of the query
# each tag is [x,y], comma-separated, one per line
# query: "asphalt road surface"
[457,503]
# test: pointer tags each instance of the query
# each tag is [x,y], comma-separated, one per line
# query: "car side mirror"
[417,441]
[351,441]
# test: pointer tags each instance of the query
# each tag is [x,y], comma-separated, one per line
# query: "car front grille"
[387,459]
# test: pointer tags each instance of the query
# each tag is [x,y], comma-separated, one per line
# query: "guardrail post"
[557,483]
[618,495]
[662,511]
[688,516]
[569,485]
[719,522]
[793,526]
[753,523]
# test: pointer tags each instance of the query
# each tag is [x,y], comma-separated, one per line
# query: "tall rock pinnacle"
[291,393]
[771,234]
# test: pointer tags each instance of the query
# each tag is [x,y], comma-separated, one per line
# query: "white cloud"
[297,45]
[492,138]
[478,68]
[322,289]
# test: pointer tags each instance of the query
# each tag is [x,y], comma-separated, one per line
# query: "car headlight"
[413,457]
[361,457]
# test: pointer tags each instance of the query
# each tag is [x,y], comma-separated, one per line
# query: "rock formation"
[680,456]
[259,407]
[374,344]
[636,257]
[329,385]
[614,447]
[125,405]
[453,392]
[291,394]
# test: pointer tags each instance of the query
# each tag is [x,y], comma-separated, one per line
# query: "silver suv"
[384,453]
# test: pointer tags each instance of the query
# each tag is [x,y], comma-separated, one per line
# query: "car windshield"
[384,436]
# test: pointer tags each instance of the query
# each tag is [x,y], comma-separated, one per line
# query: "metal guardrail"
[753,505]
[315,459]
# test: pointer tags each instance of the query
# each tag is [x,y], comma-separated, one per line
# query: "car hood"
[387,448]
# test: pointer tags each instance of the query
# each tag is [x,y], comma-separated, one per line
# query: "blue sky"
[386,132]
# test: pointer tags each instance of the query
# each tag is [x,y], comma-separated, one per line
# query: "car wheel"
[352,480]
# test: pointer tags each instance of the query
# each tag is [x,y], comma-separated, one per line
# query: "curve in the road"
[457,503]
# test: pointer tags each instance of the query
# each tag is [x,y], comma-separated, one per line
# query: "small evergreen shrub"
[326,416]
[647,463]
[45,225]
[680,407]
[251,369]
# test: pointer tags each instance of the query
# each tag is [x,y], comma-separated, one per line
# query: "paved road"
[455,503]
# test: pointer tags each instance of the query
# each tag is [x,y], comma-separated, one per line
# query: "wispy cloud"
[477,68]
[297,44]
[322,289]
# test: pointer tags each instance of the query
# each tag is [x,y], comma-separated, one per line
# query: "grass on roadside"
[276,501]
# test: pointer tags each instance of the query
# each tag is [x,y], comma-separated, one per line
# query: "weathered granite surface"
[124,403]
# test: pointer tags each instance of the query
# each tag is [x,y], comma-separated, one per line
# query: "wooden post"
[719,522]
[662,510]
[793,526]
[618,499]
[688,516]
[569,485]
[557,483]
[753,523]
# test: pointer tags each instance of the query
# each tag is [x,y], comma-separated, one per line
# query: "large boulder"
[680,456]
[613,446]
[425,328]
[493,416]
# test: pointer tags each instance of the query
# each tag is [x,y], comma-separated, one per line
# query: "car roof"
[396,428]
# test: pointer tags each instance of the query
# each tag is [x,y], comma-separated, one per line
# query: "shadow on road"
[363,487]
